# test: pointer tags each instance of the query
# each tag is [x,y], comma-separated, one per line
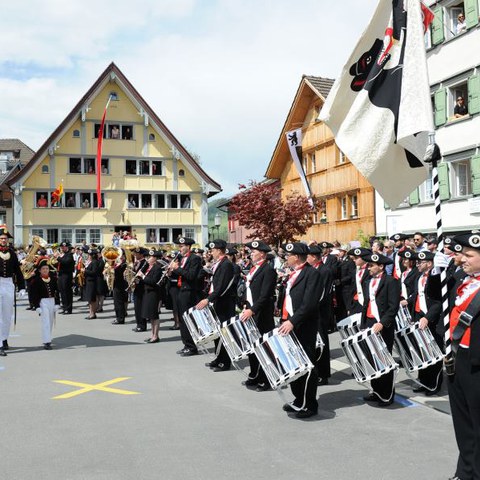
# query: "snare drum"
[238,337]
[282,358]
[403,318]
[349,326]
[202,324]
[368,355]
[417,348]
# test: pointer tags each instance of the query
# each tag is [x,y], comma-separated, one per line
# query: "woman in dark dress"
[151,297]
[93,270]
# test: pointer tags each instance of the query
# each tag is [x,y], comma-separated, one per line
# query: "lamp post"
[218,222]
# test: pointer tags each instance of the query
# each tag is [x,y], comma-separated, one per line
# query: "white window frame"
[454,178]
[343,208]
[353,205]
[150,167]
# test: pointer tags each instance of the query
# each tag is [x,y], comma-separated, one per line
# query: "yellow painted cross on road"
[86,387]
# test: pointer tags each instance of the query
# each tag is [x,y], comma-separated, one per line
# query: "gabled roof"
[309,88]
[21,155]
[113,72]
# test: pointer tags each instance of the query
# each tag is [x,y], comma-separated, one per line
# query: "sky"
[221,74]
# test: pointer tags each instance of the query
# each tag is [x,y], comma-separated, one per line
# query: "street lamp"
[218,222]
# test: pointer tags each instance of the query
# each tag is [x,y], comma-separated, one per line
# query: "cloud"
[221,74]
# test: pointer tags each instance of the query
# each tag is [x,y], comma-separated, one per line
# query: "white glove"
[38,310]
[441,260]
[22,293]
[56,308]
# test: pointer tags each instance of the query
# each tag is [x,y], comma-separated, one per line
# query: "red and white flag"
[99,156]
[380,109]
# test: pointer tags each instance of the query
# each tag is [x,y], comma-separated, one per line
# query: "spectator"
[115,132]
[86,203]
[116,239]
[419,241]
[378,247]
[132,203]
[42,201]
[152,237]
[71,201]
[460,109]
[461,24]
[432,244]
[127,133]
[388,251]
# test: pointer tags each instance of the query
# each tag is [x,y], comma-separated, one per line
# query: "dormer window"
[114,96]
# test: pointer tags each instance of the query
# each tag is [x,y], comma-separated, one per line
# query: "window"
[127,132]
[343,208]
[133,200]
[181,173]
[80,235]
[76,133]
[44,168]
[461,185]
[37,232]
[353,206]
[66,235]
[95,202]
[87,165]
[164,236]
[85,200]
[176,233]
[52,235]
[185,201]
[143,167]
[159,200]
[95,235]
[114,96]
[96,130]
[146,200]
[313,163]
[105,166]
[151,235]
[455,93]
[114,131]
[75,165]
[426,190]
[305,164]
[456,20]
[172,201]
[42,199]
[70,200]
[151,137]
[190,232]
[341,158]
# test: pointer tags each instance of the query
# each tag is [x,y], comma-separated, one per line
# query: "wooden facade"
[345,208]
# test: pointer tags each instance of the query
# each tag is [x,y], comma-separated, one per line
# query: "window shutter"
[414,197]
[471,12]
[440,107]
[443,181]
[475,169]
[438,34]
[474,94]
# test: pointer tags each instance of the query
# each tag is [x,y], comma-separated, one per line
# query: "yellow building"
[151,185]
[345,200]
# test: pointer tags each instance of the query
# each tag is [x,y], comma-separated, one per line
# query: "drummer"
[409,274]
[258,303]
[300,313]
[361,278]
[381,303]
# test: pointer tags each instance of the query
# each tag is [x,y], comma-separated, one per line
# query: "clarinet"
[142,270]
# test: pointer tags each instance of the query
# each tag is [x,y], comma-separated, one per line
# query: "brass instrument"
[81,273]
[168,268]
[110,255]
[129,246]
[27,265]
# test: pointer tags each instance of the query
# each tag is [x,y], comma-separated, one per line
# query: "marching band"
[312,290]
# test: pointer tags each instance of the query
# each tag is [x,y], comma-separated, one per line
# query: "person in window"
[152,238]
[132,203]
[115,132]
[127,133]
[90,170]
[461,24]
[186,203]
[86,203]
[42,201]
[71,202]
[104,170]
[460,109]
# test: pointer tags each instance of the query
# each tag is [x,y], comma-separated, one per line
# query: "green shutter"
[440,107]
[474,94]
[471,12]
[414,197]
[438,34]
[443,181]
[475,168]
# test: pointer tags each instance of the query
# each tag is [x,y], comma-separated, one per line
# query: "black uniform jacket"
[66,264]
[40,289]
[223,295]
[11,268]
[151,296]
[189,272]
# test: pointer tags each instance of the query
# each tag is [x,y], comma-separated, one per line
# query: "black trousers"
[432,376]
[265,325]
[65,287]
[137,306]
[120,299]
[185,300]
[304,388]
[464,392]
[323,363]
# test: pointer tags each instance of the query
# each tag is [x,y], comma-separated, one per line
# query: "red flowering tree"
[261,209]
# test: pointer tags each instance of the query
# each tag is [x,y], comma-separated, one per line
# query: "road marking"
[86,387]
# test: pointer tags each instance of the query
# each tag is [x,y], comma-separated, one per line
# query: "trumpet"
[168,268]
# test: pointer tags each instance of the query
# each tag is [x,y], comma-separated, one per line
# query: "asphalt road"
[183,421]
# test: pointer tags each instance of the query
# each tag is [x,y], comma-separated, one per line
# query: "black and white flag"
[379,109]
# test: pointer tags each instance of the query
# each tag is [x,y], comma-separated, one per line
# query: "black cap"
[408,254]
[4,231]
[315,249]
[433,240]
[452,245]
[470,240]
[359,252]
[141,250]
[155,253]
[198,250]
[258,245]
[425,255]
[398,236]
[296,248]
[326,244]
[231,251]
[65,243]
[184,241]
[218,243]
[378,258]
[92,251]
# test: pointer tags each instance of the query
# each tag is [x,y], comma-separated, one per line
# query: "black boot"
[5,345]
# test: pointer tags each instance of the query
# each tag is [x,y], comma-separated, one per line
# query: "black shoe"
[100,311]
[138,329]
[66,312]
[288,408]
[305,413]
[2,352]
[419,389]
[263,387]
[174,328]
[189,353]
[250,382]
[382,404]
[221,367]
[212,364]
[91,318]
[430,393]
[323,381]
[47,346]
[183,350]
[149,340]
[371,397]
[5,345]
[118,322]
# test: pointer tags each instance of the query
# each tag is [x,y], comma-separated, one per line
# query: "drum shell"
[239,337]
[349,326]
[202,324]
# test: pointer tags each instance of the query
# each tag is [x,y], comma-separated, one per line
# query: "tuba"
[110,255]
[27,265]
[129,246]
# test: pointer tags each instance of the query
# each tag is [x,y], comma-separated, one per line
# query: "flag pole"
[99,155]
[433,156]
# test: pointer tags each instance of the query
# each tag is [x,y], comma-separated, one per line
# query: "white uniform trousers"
[47,305]
[7,299]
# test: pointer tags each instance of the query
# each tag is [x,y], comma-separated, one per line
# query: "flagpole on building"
[433,156]
[99,155]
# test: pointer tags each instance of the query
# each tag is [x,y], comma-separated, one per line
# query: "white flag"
[294,140]
[379,109]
